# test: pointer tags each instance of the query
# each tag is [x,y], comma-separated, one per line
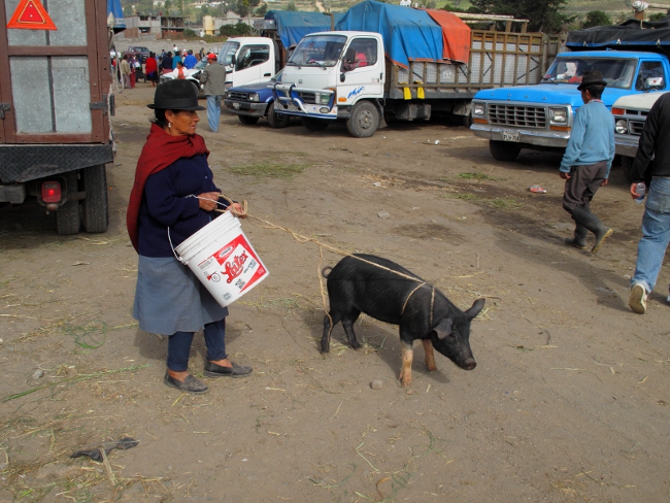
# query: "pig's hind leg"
[327,329]
[348,321]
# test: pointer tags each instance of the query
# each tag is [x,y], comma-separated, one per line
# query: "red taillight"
[51,192]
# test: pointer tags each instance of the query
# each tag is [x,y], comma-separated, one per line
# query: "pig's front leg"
[407,357]
[430,356]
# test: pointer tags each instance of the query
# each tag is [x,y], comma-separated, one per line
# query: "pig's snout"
[469,364]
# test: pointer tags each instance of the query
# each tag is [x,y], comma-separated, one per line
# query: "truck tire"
[94,208]
[504,151]
[364,120]
[67,215]
[276,120]
[627,167]
[247,120]
[314,124]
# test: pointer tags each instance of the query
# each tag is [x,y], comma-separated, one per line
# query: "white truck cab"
[249,60]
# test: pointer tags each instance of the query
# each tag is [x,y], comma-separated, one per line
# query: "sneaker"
[638,299]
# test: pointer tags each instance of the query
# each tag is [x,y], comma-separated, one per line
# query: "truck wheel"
[314,124]
[67,215]
[504,151]
[276,120]
[247,120]
[95,210]
[364,120]
[627,167]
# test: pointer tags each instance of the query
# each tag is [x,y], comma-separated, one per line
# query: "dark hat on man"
[177,94]
[592,78]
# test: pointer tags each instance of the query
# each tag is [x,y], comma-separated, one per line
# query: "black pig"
[390,293]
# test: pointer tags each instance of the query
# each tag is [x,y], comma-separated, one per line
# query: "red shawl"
[160,151]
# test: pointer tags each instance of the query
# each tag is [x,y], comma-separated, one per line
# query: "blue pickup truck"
[254,101]
[540,117]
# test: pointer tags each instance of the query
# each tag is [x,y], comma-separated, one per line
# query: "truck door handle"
[266,75]
[4,107]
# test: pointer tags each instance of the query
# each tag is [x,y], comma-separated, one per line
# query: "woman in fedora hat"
[172,198]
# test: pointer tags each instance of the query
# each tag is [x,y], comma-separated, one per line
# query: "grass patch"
[504,203]
[465,196]
[270,169]
[476,176]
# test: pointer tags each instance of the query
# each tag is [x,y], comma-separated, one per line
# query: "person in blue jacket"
[587,161]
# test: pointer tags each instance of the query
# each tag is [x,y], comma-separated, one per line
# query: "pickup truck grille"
[516,115]
[234,95]
[635,127]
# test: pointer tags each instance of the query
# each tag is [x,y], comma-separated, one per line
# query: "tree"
[596,18]
[260,12]
[291,6]
[543,15]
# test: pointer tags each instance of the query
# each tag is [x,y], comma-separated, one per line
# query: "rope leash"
[304,239]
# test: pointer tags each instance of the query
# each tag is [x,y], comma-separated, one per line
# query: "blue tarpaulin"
[114,8]
[408,34]
[292,25]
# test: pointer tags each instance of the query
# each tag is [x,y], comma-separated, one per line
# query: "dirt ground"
[569,401]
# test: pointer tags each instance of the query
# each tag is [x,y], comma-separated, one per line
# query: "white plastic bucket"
[222,258]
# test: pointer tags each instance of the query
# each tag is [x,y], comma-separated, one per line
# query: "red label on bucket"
[235,263]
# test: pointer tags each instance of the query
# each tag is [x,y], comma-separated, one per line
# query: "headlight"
[621,126]
[478,109]
[323,99]
[559,115]
[254,97]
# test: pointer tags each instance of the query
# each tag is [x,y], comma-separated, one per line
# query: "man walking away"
[652,166]
[587,161]
[213,77]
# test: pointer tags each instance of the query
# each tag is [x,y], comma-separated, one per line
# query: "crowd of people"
[132,67]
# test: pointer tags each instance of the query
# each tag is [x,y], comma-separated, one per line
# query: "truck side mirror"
[343,77]
[233,60]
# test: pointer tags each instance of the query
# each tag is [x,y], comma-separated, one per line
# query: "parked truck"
[250,60]
[630,112]
[385,61]
[284,29]
[632,61]
[55,104]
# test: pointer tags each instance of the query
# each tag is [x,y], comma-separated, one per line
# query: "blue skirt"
[169,298]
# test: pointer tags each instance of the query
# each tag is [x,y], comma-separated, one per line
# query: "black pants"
[583,184]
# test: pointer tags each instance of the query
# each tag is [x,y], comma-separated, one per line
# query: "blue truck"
[633,60]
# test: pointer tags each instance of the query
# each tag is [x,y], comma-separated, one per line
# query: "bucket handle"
[229,205]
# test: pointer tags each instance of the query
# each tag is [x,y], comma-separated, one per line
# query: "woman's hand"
[239,211]
[208,200]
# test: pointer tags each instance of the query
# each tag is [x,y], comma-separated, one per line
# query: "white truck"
[399,70]
[630,113]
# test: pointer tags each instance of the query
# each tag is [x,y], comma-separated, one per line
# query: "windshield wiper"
[291,63]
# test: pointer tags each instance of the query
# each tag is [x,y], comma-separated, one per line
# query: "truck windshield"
[618,73]
[227,52]
[321,50]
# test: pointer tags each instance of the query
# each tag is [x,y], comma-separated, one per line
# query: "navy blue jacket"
[166,202]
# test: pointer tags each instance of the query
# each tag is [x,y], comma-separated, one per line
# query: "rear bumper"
[540,138]
[23,163]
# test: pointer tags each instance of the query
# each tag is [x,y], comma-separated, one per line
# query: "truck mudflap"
[23,163]
[558,139]
[304,102]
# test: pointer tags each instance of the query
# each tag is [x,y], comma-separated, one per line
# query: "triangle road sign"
[31,15]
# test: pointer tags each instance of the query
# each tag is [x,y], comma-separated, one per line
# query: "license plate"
[292,106]
[510,136]
[236,105]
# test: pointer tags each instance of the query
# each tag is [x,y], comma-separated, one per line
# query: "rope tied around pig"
[304,239]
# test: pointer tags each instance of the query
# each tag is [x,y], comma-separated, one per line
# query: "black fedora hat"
[176,95]
[592,78]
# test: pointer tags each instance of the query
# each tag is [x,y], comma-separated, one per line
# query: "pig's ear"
[475,309]
[443,329]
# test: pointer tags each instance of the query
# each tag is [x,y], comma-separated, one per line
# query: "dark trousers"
[179,345]
[583,184]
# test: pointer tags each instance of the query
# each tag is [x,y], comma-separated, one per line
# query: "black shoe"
[580,245]
[189,385]
[215,370]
